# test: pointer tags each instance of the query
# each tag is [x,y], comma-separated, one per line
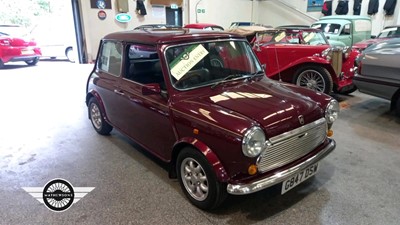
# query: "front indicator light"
[252,169]
[329,133]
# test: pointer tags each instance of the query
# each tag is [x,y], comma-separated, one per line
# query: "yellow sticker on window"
[187,60]
[280,36]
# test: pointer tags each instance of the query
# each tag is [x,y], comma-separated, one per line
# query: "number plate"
[299,177]
[27,52]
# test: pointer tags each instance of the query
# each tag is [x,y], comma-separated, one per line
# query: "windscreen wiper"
[226,78]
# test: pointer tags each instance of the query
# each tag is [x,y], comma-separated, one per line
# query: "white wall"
[221,12]
[95,29]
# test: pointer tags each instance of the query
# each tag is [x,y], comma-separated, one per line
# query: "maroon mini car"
[14,47]
[221,128]
[304,57]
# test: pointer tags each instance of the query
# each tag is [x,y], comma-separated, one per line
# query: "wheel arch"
[211,157]
[289,73]
[94,94]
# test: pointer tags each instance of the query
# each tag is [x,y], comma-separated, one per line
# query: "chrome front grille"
[337,60]
[289,146]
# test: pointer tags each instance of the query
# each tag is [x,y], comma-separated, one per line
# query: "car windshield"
[210,63]
[328,28]
[390,33]
[292,37]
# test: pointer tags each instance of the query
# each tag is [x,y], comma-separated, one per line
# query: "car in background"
[343,30]
[16,46]
[221,128]
[204,26]
[56,41]
[156,26]
[240,24]
[379,72]
[304,57]
[387,33]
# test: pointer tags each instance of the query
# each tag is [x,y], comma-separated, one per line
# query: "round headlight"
[253,142]
[346,52]
[332,111]
[327,53]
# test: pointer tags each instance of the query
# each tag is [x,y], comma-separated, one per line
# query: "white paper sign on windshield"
[187,60]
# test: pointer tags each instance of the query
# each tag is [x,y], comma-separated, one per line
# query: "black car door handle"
[118,92]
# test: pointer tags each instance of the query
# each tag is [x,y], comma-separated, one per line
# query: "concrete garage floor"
[45,134]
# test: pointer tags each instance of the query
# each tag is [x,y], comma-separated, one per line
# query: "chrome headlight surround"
[253,142]
[327,53]
[346,52]
[332,111]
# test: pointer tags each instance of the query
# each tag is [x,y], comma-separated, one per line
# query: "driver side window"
[346,30]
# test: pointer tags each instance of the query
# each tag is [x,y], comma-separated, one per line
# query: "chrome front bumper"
[242,189]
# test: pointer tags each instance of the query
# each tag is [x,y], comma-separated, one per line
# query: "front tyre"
[198,180]
[33,61]
[316,78]
[96,116]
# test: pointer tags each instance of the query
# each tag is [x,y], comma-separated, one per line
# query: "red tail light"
[5,42]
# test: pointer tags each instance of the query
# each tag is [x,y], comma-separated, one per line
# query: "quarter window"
[111,58]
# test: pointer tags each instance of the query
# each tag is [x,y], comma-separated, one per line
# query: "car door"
[346,34]
[146,116]
[108,70]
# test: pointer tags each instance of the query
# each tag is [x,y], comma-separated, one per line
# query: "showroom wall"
[211,11]
[221,12]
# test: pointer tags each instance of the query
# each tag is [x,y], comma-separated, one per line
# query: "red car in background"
[204,26]
[14,47]
[304,57]
[387,33]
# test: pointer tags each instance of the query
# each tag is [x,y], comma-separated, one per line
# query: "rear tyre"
[33,61]
[96,116]
[198,180]
[316,78]
[1,64]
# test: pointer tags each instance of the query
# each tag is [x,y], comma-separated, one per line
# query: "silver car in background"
[379,72]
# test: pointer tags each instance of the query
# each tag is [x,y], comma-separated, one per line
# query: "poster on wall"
[314,5]
[100,4]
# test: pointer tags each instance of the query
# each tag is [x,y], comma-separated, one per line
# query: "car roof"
[156,25]
[160,36]
[200,25]
[333,21]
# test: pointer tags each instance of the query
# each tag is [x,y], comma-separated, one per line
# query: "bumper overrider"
[242,189]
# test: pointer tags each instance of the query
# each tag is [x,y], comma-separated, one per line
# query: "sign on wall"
[100,4]
[314,5]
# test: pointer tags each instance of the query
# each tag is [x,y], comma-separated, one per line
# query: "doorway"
[174,16]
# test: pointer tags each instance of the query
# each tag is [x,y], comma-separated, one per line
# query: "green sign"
[201,11]
[123,17]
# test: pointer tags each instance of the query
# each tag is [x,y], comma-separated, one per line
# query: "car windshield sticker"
[187,60]
[279,37]
[308,37]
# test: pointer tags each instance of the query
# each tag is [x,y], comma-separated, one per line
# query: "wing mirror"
[151,89]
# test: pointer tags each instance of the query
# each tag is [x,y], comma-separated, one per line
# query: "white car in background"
[55,41]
